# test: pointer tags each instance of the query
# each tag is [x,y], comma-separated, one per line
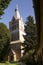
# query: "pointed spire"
[17,14]
[16,8]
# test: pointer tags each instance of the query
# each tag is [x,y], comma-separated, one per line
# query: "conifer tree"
[31,34]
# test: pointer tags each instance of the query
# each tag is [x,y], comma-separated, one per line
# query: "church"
[16,27]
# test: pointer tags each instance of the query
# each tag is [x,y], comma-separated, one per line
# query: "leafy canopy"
[3,5]
[4,36]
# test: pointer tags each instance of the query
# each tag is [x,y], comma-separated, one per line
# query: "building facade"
[16,27]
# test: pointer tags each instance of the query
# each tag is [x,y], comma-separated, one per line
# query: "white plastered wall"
[21,30]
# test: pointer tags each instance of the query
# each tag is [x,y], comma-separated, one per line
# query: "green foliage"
[3,5]
[30,43]
[4,37]
[31,34]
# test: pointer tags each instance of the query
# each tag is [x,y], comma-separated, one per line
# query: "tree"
[3,5]
[30,43]
[31,34]
[4,37]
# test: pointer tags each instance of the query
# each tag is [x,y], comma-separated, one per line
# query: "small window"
[15,36]
[14,26]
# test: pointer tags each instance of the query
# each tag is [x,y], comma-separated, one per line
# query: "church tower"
[16,27]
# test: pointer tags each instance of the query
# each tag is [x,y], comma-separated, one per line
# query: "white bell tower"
[16,27]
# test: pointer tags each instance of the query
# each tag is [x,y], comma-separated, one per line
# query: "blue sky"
[25,8]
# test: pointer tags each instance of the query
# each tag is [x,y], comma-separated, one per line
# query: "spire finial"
[17,6]
[17,14]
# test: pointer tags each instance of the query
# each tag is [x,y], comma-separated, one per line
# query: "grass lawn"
[7,63]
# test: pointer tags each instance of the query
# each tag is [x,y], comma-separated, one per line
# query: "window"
[15,36]
[14,26]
